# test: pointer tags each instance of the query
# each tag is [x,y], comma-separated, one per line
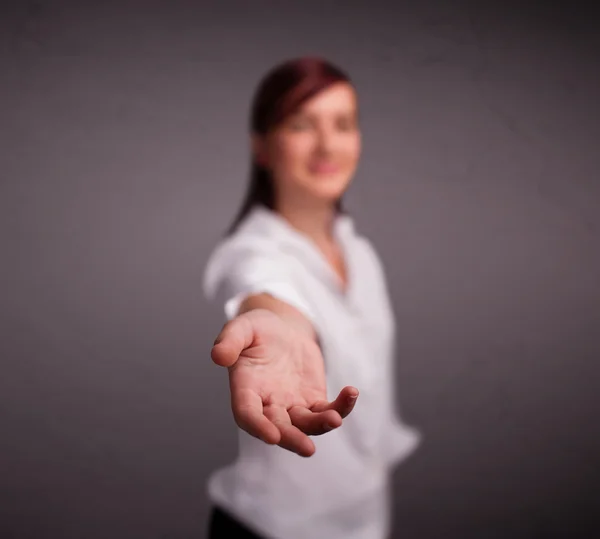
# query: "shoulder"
[362,246]
[369,255]
[248,262]
[238,256]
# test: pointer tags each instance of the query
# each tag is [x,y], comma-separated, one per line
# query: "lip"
[324,168]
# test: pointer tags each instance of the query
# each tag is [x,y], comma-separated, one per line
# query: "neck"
[314,220]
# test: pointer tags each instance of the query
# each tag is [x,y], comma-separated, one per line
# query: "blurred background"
[124,155]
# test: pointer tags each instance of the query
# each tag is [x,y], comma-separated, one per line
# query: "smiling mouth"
[324,168]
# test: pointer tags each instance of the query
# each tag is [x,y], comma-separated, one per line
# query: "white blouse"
[342,490]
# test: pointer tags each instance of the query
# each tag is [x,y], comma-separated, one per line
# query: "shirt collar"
[267,223]
[270,222]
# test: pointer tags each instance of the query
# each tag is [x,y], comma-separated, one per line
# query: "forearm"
[284,310]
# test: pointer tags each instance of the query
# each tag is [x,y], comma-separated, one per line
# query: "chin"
[330,187]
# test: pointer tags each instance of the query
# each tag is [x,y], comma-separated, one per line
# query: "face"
[314,153]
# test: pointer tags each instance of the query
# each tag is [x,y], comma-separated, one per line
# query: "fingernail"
[329,427]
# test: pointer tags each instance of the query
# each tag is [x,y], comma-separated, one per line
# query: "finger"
[292,438]
[248,413]
[314,423]
[236,336]
[344,403]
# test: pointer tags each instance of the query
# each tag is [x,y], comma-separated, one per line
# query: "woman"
[309,317]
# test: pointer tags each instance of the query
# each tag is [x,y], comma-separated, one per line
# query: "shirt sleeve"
[399,439]
[236,271]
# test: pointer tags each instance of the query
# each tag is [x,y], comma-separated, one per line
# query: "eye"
[346,123]
[299,124]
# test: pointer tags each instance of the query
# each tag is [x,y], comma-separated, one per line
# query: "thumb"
[234,338]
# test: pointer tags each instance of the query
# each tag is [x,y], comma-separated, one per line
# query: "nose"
[326,140]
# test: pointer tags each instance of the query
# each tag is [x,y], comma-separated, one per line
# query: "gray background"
[124,156]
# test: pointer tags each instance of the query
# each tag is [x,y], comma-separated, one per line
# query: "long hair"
[280,93]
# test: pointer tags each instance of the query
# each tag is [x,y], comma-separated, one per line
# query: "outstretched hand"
[277,381]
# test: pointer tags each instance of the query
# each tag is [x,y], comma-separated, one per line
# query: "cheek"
[354,149]
[292,154]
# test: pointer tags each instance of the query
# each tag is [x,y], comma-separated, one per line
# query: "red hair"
[280,93]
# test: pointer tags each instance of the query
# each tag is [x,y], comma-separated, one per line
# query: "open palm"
[277,381]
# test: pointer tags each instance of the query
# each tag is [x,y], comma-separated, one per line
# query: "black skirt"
[222,525]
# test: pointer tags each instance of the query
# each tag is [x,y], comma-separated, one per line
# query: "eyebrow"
[353,113]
